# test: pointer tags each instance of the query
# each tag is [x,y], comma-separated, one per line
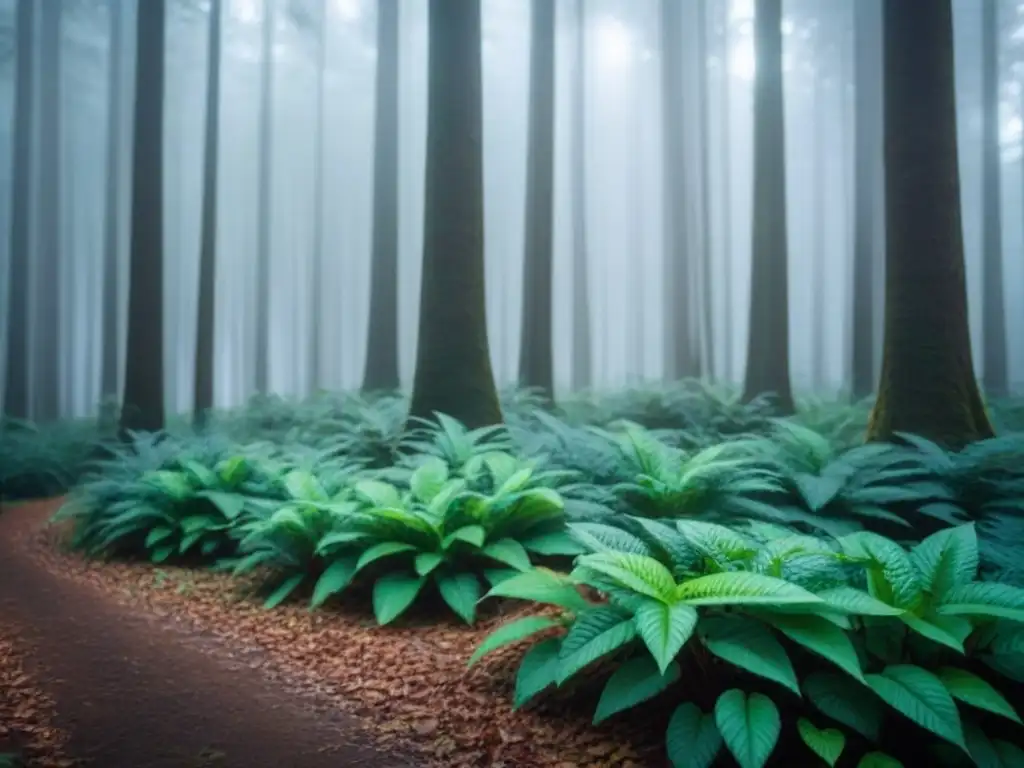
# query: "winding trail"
[134,693]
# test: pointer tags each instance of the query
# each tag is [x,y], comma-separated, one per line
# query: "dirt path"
[134,693]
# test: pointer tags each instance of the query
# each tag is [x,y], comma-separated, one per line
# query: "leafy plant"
[888,641]
[442,533]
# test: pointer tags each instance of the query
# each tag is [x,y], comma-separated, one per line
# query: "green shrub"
[860,632]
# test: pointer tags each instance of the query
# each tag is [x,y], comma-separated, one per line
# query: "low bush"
[838,642]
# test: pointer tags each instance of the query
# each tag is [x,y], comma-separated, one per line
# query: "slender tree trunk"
[867,146]
[109,384]
[206,325]
[927,384]
[316,372]
[818,255]
[536,357]
[16,390]
[729,323]
[582,355]
[47,312]
[382,343]
[995,377]
[706,284]
[263,244]
[144,374]
[453,363]
[768,342]
[635,199]
[681,360]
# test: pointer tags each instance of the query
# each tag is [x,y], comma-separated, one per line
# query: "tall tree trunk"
[817,263]
[206,324]
[704,265]
[768,342]
[635,198]
[536,357]
[263,244]
[382,342]
[453,363]
[316,372]
[993,305]
[46,295]
[866,147]
[582,355]
[16,389]
[109,384]
[680,358]
[144,375]
[927,384]
[729,322]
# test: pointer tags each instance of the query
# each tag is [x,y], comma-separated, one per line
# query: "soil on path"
[133,693]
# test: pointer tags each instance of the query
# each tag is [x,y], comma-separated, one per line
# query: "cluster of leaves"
[773,629]
[38,461]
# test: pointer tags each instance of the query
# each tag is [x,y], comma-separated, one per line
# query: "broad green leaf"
[823,638]
[742,588]
[557,543]
[892,577]
[947,559]
[393,593]
[537,670]
[512,632]
[157,534]
[428,479]
[230,505]
[973,690]
[636,681]
[750,726]
[303,486]
[384,549]
[984,598]
[378,493]
[284,589]
[470,534]
[845,701]
[595,633]
[510,552]
[598,537]
[934,632]
[692,739]
[333,580]
[857,602]
[991,753]
[542,586]
[826,743]
[426,562]
[920,696]
[879,760]
[665,629]
[461,591]
[749,645]
[641,574]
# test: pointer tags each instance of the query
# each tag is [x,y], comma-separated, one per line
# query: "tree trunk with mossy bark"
[381,371]
[768,342]
[927,384]
[453,362]
[144,374]
[536,358]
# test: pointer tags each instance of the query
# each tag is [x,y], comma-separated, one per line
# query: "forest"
[534,383]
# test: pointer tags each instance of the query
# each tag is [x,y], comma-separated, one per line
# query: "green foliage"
[835,639]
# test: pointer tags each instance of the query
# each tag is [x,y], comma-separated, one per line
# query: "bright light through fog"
[348,10]
[246,11]
[615,42]
[742,58]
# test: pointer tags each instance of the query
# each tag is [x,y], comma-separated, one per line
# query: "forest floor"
[154,667]
[130,691]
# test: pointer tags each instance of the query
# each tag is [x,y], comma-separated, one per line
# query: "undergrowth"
[804,584]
